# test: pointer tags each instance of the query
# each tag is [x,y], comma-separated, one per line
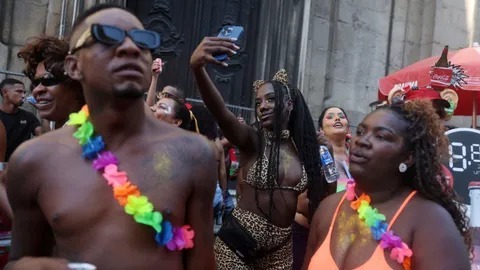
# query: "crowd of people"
[127,183]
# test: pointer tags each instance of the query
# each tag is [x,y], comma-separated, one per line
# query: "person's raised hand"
[157,67]
[322,140]
[321,137]
[241,120]
[208,48]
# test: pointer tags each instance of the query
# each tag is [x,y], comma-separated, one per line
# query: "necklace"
[269,136]
[399,251]
[127,194]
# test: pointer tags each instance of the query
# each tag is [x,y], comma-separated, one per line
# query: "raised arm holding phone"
[278,162]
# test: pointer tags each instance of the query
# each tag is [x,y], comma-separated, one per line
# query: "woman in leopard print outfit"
[279,160]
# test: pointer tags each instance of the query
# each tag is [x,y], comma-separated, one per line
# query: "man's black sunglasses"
[46,80]
[111,35]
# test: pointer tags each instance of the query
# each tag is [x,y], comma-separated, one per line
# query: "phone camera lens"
[226,31]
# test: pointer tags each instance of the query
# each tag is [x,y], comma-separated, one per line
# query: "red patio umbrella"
[419,74]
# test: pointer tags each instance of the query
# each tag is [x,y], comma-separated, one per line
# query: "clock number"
[454,157]
[475,152]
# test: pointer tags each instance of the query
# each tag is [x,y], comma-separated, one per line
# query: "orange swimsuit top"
[322,259]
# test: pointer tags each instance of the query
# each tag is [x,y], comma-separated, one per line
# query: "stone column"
[349,46]
[320,34]
[279,36]
[349,49]
[20,20]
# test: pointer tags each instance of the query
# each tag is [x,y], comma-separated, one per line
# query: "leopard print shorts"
[268,237]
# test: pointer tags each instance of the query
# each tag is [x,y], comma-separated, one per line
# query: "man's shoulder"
[40,149]
[190,139]
[186,143]
[428,211]
[172,134]
[22,111]
[4,114]
[27,114]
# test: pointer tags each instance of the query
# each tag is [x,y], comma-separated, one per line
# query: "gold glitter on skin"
[162,165]
[350,230]
[286,158]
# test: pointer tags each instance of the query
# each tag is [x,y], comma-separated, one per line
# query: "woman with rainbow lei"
[398,211]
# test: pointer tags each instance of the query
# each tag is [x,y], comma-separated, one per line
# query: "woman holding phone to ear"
[278,162]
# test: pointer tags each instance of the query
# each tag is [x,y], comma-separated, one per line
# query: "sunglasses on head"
[46,80]
[112,36]
[168,95]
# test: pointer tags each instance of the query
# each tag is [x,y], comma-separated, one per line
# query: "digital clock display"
[464,162]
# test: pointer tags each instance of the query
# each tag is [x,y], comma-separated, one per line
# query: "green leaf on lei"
[138,205]
[370,215]
[84,132]
[76,119]
[153,219]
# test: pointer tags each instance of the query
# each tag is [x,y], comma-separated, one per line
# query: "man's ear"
[177,122]
[72,67]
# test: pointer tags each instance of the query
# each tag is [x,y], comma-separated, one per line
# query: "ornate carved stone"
[238,61]
[225,74]
[160,20]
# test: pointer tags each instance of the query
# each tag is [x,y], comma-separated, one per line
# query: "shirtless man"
[60,200]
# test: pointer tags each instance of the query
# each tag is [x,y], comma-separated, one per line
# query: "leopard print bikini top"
[262,183]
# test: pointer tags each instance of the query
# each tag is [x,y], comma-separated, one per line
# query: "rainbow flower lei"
[399,250]
[127,194]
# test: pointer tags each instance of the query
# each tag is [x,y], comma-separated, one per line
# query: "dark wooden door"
[183,24]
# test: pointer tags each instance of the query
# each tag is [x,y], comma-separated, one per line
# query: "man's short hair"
[8,81]
[94,9]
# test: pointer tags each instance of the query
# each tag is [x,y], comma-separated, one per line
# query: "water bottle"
[329,169]
[31,100]
[474,193]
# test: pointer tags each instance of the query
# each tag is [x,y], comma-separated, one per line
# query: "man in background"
[19,124]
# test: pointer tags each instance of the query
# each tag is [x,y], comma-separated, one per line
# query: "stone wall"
[21,19]
[349,48]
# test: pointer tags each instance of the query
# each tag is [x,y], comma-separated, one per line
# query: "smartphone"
[232,32]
